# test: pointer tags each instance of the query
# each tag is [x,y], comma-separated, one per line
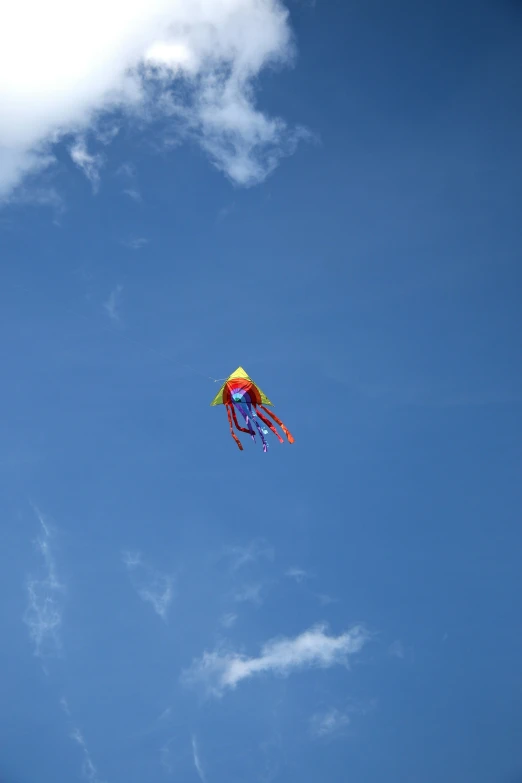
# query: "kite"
[240,393]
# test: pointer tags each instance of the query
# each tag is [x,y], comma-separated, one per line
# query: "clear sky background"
[331,199]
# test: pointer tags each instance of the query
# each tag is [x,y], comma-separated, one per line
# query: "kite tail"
[288,434]
[238,426]
[245,415]
[239,444]
[261,433]
[270,426]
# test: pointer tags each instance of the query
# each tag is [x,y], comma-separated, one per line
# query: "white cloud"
[249,594]
[41,196]
[397,649]
[219,671]
[228,620]
[152,586]
[136,243]
[43,615]
[243,555]
[325,600]
[89,771]
[225,212]
[128,171]
[67,70]
[112,305]
[134,194]
[159,594]
[89,164]
[298,574]
[167,712]
[197,760]
[131,559]
[165,754]
[333,721]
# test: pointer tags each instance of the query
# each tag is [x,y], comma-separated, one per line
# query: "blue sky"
[346,608]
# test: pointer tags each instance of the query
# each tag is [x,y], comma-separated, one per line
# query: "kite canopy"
[237,388]
[240,393]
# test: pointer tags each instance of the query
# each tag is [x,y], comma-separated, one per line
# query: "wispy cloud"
[159,594]
[106,131]
[165,754]
[225,212]
[43,615]
[325,599]
[249,594]
[41,195]
[165,715]
[133,193]
[158,725]
[334,722]
[152,586]
[197,760]
[228,620]
[243,555]
[220,671]
[328,723]
[195,66]
[246,559]
[113,303]
[131,559]
[298,574]
[135,243]
[128,171]
[88,163]
[397,649]
[89,771]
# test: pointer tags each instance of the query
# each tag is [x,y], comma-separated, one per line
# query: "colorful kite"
[240,393]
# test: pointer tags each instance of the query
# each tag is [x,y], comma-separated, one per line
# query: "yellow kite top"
[240,374]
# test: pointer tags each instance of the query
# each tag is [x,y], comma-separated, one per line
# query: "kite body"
[239,394]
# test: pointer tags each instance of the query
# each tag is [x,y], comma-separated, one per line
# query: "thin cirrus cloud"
[89,771]
[228,620]
[66,69]
[221,671]
[113,304]
[197,760]
[133,193]
[396,649]
[89,164]
[298,574]
[135,243]
[43,615]
[241,556]
[249,594]
[328,723]
[128,172]
[152,586]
